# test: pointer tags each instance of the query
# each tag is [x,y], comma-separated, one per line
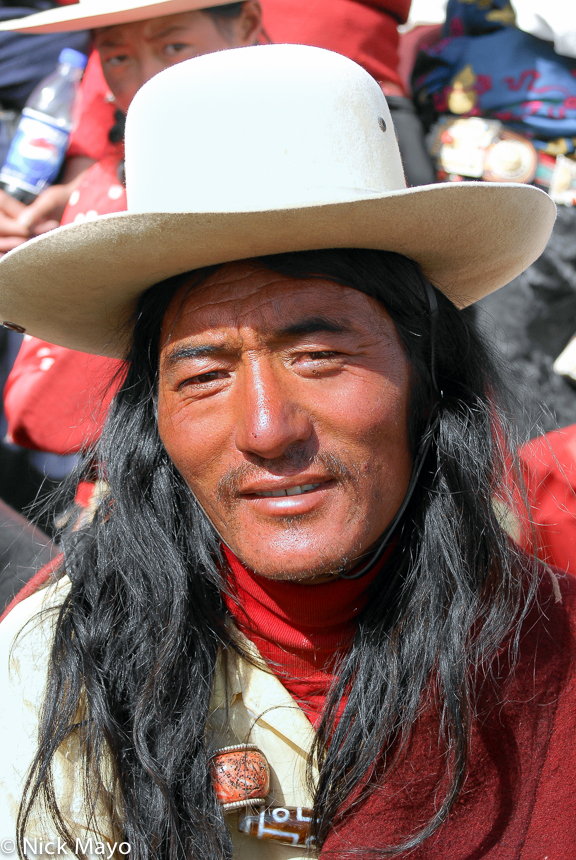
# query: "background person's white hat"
[255,151]
[89,14]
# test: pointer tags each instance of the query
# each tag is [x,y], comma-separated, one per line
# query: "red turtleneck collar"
[300,630]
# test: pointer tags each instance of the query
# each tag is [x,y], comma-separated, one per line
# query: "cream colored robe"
[261,711]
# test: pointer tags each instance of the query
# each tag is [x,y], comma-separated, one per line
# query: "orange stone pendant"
[241,776]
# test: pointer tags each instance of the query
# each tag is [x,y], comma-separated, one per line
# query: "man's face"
[133,53]
[284,405]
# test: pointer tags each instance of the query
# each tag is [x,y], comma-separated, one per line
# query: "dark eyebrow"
[186,352]
[108,36]
[312,325]
[109,42]
[309,325]
[107,39]
[168,31]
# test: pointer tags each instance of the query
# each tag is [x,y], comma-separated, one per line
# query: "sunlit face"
[133,53]
[284,405]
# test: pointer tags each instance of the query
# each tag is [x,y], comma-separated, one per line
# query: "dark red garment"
[519,798]
[56,399]
[300,630]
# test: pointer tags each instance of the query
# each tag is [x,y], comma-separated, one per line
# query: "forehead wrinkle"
[268,307]
[256,298]
[225,311]
[242,272]
[264,322]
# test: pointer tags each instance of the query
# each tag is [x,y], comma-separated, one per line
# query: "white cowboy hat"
[254,151]
[88,14]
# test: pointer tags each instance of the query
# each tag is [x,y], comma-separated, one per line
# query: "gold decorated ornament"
[463,97]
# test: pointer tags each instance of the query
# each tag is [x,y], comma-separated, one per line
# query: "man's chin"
[304,570]
[301,550]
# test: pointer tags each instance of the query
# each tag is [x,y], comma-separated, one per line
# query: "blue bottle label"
[36,153]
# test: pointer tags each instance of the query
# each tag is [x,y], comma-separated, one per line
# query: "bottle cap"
[73,58]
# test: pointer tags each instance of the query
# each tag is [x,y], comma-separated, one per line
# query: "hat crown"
[260,128]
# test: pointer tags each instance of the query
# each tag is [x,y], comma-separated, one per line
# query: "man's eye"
[203,378]
[175,48]
[118,60]
[322,354]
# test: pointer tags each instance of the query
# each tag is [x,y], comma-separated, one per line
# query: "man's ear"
[249,23]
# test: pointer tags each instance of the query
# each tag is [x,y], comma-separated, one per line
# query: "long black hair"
[138,634]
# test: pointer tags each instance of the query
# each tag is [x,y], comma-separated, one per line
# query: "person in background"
[512,65]
[24,61]
[363,30]
[89,141]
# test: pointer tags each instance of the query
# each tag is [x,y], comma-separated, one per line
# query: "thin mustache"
[229,485]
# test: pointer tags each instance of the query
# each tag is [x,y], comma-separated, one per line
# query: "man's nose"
[270,416]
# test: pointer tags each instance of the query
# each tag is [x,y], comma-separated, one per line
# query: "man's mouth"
[289,491]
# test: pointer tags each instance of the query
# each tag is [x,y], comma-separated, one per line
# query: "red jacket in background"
[95,116]
[549,471]
[56,399]
[367,32]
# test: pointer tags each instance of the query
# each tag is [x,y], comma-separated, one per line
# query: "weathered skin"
[248,404]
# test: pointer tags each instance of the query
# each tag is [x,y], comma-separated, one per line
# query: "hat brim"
[103,13]
[78,286]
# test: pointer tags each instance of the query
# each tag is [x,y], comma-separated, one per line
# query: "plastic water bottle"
[39,144]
